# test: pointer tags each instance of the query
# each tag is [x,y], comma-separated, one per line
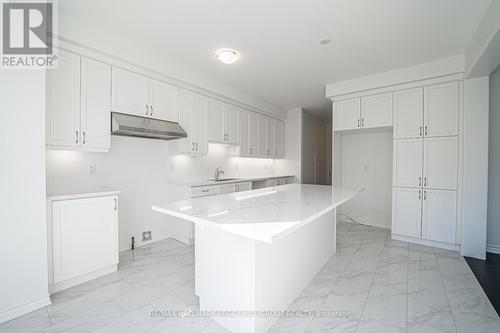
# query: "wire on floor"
[346,218]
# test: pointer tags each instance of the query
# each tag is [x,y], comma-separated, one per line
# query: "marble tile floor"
[379,285]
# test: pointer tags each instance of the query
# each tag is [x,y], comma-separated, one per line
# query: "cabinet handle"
[76,141]
[420,131]
[147,109]
[363,122]
[425,181]
[196,146]
[358,123]
[116,204]
[426,130]
[419,194]
[425,195]
[84,137]
[205,191]
[192,149]
[419,181]
[151,113]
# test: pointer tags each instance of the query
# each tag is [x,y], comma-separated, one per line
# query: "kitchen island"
[255,251]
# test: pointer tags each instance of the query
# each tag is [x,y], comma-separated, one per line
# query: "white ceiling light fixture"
[325,41]
[227,56]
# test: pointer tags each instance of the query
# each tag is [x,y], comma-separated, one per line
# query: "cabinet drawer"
[204,191]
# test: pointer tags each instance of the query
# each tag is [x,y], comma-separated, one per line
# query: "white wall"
[141,169]
[293,145]
[366,162]
[23,273]
[313,142]
[493,234]
[475,167]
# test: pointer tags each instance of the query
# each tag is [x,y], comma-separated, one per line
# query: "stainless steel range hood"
[142,127]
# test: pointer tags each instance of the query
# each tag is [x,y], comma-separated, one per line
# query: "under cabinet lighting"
[255,195]
[186,208]
[218,213]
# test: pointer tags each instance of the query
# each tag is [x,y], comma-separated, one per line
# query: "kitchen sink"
[221,179]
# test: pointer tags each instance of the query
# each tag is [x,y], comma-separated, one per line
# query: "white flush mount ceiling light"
[325,41]
[227,56]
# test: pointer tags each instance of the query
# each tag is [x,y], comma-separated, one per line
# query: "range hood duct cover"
[142,127]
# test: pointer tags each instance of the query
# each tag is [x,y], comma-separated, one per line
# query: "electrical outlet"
[92,169]
[147,236]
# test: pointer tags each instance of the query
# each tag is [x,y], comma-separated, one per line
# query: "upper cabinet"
[365,112]
[431,111]
[408,113]
[441,109]
[269,152]
[223,124]
[376,111]
[193,118]
[260,136]
[78,104]
[138,95]
[279,151]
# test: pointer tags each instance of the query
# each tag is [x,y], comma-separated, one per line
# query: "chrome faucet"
[218,172]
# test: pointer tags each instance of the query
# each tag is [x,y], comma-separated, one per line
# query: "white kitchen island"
[255,251]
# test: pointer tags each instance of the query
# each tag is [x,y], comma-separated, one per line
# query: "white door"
[439,215]
[407,166]
[163,101]
[216,121]
[231,124]
[408,113]
[261,136]
[243,118]
[186,100]
[407,211]
[319,170]
[95,104]
[376,111]
[269,137]
[130,93]
[85,236]
[278,139]
[441,109]
[63,102]
[440,163]
[347,114]
[199,121]
[252,134]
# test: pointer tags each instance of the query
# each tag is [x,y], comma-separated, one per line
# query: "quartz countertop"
[82,193]
[265,214]
[238,179]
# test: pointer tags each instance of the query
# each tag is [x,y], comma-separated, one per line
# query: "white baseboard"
[493,249]
[53,288]
[127,247]
[441,245]
[24,309]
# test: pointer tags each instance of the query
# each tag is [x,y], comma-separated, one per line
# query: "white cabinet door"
[231,124]
[441,109]
[347,114]
[229,188]
[130,93]
[440,163]
[261,136]
[439,215]
[407,166]
[163,101]
[376,111]
[269,151]
[84,235]
[63,102]
[278,139]
[186,99]
[216,121]
[199,121]
[408,113]
[241,187]
[95,104]
[253,134]
[243,118]
[407,211]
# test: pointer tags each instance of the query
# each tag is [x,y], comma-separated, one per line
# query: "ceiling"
[282,61]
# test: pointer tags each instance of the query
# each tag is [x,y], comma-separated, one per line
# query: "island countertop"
[266,214]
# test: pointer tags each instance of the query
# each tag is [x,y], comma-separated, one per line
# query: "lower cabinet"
[424,213]
[83,240]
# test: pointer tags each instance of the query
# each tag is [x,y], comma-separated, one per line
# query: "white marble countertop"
[82,193]
[265,214]
[238,179]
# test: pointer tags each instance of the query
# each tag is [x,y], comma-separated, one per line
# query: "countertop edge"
[82,195]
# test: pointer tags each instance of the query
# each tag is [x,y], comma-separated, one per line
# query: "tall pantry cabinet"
[425,162]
